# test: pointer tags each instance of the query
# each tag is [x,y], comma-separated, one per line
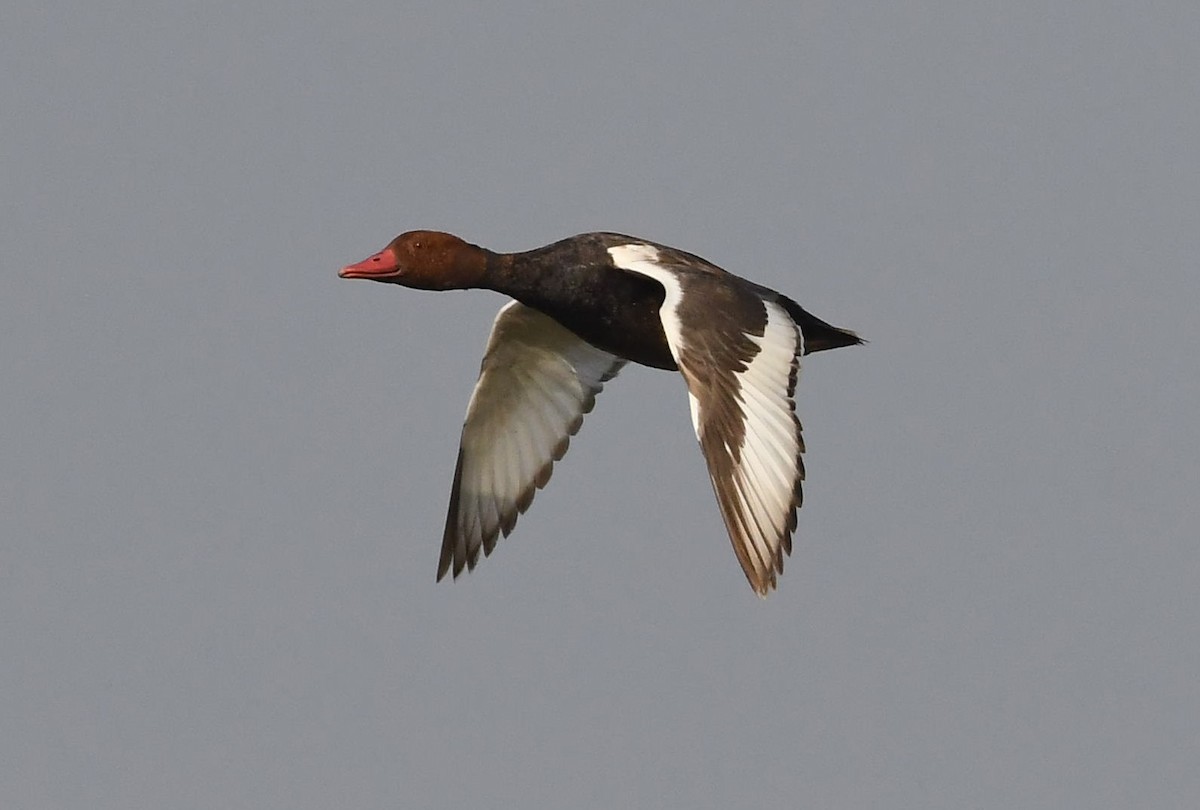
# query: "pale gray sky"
[225,471]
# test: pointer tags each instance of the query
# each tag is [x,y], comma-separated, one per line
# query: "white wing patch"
[536,382]
[766,474]
[643,259]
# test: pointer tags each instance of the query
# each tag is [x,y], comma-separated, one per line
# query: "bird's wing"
[536,382]
[740,353]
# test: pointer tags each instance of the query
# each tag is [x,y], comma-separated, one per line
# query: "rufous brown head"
[424,260]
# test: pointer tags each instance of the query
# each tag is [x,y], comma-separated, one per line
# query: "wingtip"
[763,588]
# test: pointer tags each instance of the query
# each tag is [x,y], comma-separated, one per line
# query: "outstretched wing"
[739,352]
[536,382]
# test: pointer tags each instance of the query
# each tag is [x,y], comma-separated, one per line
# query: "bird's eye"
[417,245]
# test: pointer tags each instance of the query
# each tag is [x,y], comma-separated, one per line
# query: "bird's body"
[585,306]
[616,312]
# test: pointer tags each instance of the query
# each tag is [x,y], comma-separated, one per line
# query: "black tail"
[818,335]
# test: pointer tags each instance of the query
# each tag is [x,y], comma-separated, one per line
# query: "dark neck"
[517,275]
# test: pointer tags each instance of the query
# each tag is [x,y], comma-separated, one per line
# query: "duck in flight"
[585,306]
